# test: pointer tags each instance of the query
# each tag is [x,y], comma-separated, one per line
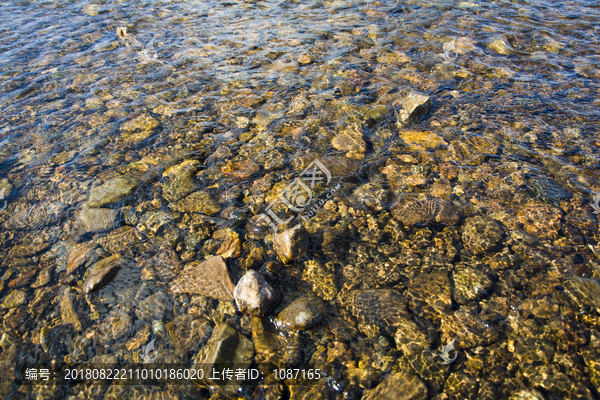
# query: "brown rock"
[101,273]
[78,256]
[208,278]
[291,244]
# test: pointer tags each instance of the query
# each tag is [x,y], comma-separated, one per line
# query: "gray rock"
[100,274]
[291,244]
[412,105]
[112,191]
[253,294]
[586,292]
[91,220]
[303,313]
[425,212]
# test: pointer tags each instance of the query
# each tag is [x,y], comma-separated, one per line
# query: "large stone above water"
[253,294]
[101,273]
[425,212]
[91,220]
[112,191]
[208,278]
[291,244]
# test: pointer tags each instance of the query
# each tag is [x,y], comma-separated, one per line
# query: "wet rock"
[5,189]
[362,42]
[101,273]
[241,170]
[501,46]
[200,201]
[541,220]
[179,186]
[43,278]
[139,128]
[470,284]
[79,255]
[429,295]
[303,313]
[231,245]
[208,278]
[426,212]
[412,104]
[374,195]
[73,309]
[551,379]
[383,308]
[152,222]
[187,165]
[14,299]
[467,330]
[36,216]
[96,220]
[291,244]
[461,386]
[120,240]
[225,347]
[481,234]
[410,338]
[530,350]
[405,386]
[322,278]
[350,139]
[27,250]
[273,346]
[112,191]
[585,291]
[421,141]
[548,190]
[154,307]
[527,394]
[253,294]
[116,325]
[188,332]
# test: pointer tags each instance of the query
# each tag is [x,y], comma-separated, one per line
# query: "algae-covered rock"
[200,201]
